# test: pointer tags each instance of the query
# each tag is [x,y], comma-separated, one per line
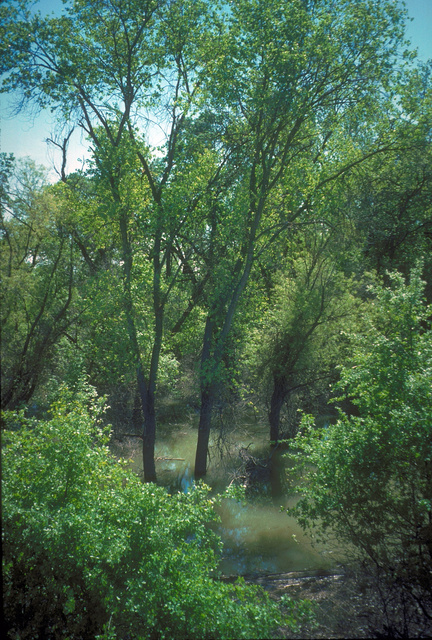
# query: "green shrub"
[91,552]
[367,480]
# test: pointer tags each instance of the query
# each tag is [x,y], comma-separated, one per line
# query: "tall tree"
[296,344]
[116,69]
[297,83]
[257,91]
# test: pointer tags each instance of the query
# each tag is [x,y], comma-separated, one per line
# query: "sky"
[25,134]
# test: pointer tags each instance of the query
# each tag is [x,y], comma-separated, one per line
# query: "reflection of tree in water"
[260,475]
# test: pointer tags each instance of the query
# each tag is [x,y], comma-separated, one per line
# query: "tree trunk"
[146,389]
[149,438]
[207,401]
[149,430]
[280,391]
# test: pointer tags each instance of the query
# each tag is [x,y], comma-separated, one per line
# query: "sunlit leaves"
[90,548]
[39,270]
[367,478]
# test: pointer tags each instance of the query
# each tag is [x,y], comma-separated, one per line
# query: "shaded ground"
[345,608]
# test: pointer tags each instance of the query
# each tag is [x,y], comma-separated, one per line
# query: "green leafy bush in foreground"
[367,480]
[91,552]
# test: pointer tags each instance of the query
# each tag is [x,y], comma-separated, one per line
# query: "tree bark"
[207,402]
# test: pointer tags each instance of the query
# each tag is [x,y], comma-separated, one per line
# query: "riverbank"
[346,607]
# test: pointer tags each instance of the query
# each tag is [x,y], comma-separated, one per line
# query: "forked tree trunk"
[214,342]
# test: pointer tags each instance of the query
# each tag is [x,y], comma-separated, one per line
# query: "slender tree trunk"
[146,389]
[214,345]
[149,428]
[149,412]
[149,438]
[280,392]
[207,402]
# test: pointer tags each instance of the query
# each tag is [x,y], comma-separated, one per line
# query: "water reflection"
[258,536]
[261,538]
[186,479]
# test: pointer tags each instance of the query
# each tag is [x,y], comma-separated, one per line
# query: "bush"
[91,552]
[367,480]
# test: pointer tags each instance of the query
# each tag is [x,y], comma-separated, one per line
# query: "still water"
[258,536]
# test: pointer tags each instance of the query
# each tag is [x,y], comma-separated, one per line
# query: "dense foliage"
[215,129]
[89,551]
[367,479]
[253,166]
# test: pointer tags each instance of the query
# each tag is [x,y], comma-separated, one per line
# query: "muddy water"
[261,538]
[258,536]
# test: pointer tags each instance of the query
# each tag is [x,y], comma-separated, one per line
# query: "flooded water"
[258,536]
[261,538]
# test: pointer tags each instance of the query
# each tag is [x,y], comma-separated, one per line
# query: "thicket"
[253,166]
[366,481]
[92,552]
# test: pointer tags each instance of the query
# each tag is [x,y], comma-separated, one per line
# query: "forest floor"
[345,606]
